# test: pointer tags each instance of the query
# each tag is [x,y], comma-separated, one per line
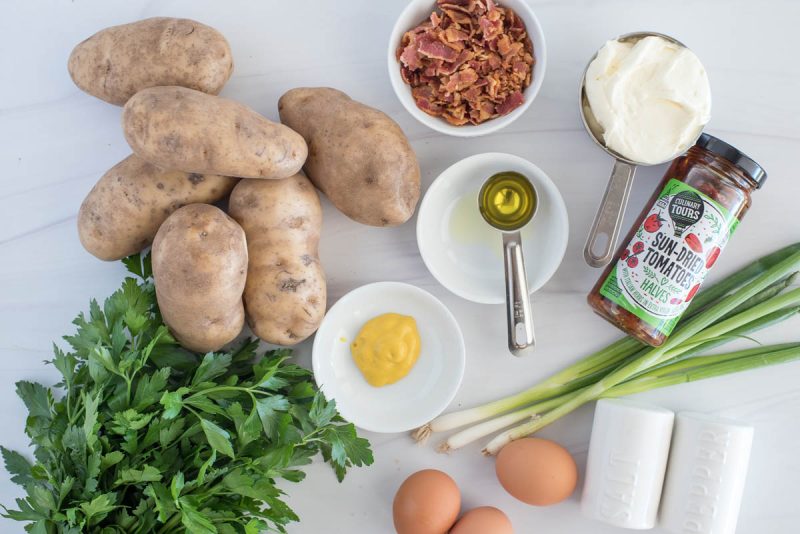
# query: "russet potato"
[117,62]
[285,293]
[199,267]
[190,131]
[358,156]
[121,214]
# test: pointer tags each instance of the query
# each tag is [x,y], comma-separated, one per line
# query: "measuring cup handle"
[518,303]
[608,220]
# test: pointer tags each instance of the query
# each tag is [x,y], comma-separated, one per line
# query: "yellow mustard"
[386,348]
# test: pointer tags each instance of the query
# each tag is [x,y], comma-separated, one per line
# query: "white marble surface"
[55,142]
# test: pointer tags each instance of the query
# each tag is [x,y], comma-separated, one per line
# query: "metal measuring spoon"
[608,221]
[518,304]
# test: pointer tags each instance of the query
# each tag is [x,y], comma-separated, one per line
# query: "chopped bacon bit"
[453,34]
[494,61]
[456,120]
[514,52]
[450,68]
[466,6]
[472,94]
[433,48]
[407,75]
[504,45]
[409,56]
[513,101]
[490,28]
[428,107]
[456,45]
[515,23]
[469,62]
[457,16]
[461,80]
[423,91]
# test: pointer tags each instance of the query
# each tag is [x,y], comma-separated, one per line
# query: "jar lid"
[722,149]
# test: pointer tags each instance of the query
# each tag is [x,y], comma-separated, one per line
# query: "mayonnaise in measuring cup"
[651,97]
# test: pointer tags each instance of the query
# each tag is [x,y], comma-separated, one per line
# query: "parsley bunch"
[151,438]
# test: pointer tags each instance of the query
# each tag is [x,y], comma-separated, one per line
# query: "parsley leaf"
[218,437]
[212,366]
[146,436]
[37,399]
[18,466]
[98,508]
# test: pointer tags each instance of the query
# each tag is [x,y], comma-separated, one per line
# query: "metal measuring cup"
[519,315]
[608,221]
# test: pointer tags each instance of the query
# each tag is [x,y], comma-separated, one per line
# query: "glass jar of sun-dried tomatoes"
[677,240]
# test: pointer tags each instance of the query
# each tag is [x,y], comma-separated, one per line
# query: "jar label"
[661,269]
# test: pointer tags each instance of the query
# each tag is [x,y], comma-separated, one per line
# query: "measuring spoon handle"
[518,302]
[608,220]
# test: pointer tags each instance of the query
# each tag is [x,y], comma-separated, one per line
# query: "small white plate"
[410,402]
[464,253]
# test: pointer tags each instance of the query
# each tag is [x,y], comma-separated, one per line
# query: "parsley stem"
[128,382]
[74,418]
[171,523]
[189,408]
[68,397]
[250,390]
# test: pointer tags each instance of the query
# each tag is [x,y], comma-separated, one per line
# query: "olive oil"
[507,201]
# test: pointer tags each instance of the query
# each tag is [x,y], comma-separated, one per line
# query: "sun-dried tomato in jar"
[677,240]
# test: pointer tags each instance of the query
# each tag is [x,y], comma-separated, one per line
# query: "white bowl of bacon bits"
[467,67]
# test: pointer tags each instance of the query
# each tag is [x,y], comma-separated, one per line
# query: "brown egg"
[428,502]
[483,520]
[537,471]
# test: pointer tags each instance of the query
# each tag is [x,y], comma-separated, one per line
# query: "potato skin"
[179,128]
[199,267]
[358,156]
[285,295]
[117,62]
[121,214]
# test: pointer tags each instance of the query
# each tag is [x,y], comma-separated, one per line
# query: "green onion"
[713,366]
[693,327]
[614,353]
[679,373]
[679,361]
[741,332]
[693,369]
[748,300]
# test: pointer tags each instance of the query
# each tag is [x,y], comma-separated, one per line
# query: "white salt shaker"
[706,477]
[627,457]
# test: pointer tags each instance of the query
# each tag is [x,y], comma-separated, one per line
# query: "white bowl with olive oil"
[464,253]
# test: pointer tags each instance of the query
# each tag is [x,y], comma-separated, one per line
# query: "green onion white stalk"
[744,302]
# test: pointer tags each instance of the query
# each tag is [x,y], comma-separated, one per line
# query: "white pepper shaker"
[706,474]
[627,457]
